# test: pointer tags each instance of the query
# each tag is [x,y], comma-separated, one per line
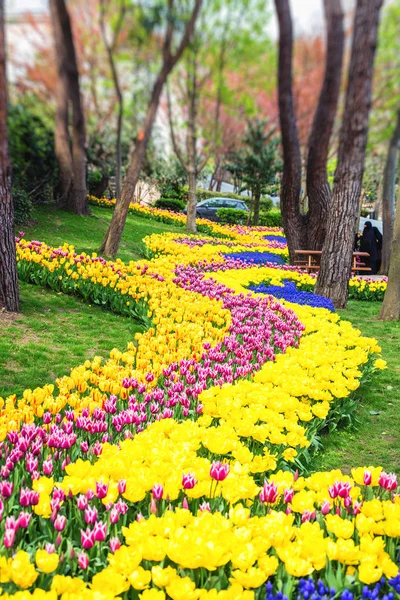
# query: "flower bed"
[175,469]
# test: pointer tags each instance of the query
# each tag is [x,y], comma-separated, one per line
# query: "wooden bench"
[310,260]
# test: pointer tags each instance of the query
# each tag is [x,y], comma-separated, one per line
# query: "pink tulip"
[219,471]
[367,477]
[308,516]
[114,516]
[325,507]
[91,515]
[50,548]
[87,539]
[288,495]
[81,502]
[47,467]
[100,531]
[6,488]
[24,519]
[188,481]
[60,523]
[83,560]
[205,506]
[153,507]
[157,491]
[185,504]
[122,486]
[115,544]
[388,481]
[269,493]
[101,489]
[9,538]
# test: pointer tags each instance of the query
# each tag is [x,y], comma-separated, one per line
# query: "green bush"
[272,218]
[32,154]
[23,206]
[170,204]
[231,216]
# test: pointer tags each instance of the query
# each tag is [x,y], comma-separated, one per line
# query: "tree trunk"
[70,155]
[110,54]
[9,299]
[318,190]
[337,252]
[390,310]
[389,181]
[256,208]
[293,221]
[191,205]
[113,235]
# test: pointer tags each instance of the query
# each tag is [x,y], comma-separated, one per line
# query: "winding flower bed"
[175,468]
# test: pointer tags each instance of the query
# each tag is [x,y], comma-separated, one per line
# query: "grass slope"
[52,334]
[86,233]
[376,438]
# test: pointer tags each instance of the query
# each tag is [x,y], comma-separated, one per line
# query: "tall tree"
[70,148]
[9,299]
[390,310]
[307,230]
[170,57]
[334,273]
[293,220]
[110,48]
[389,181]
[318,189]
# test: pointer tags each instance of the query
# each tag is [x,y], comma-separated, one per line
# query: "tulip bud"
[122,486]
[325,507]
[185,504]
[9,538]
[367,477]
[60,523]
[83,560]
[115,544]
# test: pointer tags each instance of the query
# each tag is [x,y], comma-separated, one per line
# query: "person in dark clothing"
[379,241]
[369,243]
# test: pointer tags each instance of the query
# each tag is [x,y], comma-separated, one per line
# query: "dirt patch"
[13,366]
[29,337]
[7,318]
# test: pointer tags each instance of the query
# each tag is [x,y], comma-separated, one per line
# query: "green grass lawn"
[86,233]
[376,438]
[52,334]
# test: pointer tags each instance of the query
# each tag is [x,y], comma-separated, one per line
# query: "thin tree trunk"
[337,252]
[192,94]
[71,156]
[389,181]
[318,190]
[191,205]
[390,310]
[113,235]
[256,208]
[9,299]
[110,54]
[293,221]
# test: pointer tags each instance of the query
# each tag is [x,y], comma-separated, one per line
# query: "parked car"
[207,209]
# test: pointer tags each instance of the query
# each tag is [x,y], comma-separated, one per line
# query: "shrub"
[170,204]
[23,206]
[232,216]
[272,218]
[202,194]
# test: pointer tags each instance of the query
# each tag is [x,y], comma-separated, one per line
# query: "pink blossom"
[269,493]
[24,519]
[219,471]
[288,495]
[100,531]
[101,489]
[91,515]
[60,523]
[325,507]
[157,491]
[205,506]
[188,481]
[83,560]
[9,538]
[115,544]
[367,477]
[87,539]
[388,481]
[122,486]
[308,516]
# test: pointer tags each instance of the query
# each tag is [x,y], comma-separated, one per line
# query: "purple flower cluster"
[308,589]
[290,293]
[275,238]
[258,258]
